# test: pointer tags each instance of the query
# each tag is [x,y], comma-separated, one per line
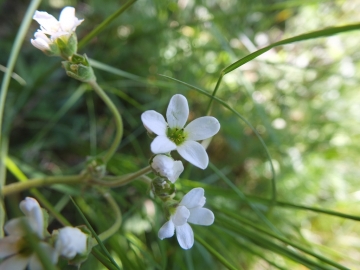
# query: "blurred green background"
[302,98]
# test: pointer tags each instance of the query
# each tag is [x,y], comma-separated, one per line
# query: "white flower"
[14,248]
[167,167]
[70,242]
[65,26]
[41,41]
[191,210]
[172,134]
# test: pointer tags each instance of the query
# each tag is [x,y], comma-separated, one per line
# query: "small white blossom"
[190,210]
[12,247]
[65,26]
[172,134]
[41,41]
[167,167]
[70,242]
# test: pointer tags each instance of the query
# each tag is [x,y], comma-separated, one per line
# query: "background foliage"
[302,98]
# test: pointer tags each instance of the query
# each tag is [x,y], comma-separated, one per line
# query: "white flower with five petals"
[14,248]
[172,134]
[191,210]
[65,26]
[167,167]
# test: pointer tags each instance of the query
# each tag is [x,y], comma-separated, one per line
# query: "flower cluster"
[174,135]
[57,37]
[18,253]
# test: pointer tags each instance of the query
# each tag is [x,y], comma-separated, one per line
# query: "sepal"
[79,68]
[67,45]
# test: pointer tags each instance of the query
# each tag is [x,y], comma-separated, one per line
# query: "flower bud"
[79,68]
[163,189]
[166,167]
[74,244]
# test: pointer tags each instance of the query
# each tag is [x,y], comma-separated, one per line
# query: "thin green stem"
[208,111]
[216,254]
[303,207]
[14,54]
[122,180]
[64,109]
[94,234]
[104,260]
[252,225]
[41,198]
[71,180]
[105,23]
[38,182]
[118,219]
[118,120]
[244,198]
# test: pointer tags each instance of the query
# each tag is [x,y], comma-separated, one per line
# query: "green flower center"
[178,136]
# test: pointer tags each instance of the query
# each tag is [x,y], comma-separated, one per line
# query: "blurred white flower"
[167,167]
[191,210]
[172,134]
[41,41]
[65,26]
[70,242]
[14,248]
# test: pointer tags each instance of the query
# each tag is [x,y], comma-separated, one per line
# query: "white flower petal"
[185,236]
[41,35]
[67,19]
[9,246]
[31,208]
[71,241]
[16,262]
[177,170]
[177,112]
[162,145]
[201,216]
[167,230]
[202,128]
[47,21]
[181,215]
[166,167]
[35,263]
[16,226]
[195,153]
[193,198]
[155,122]
[163,165]
[40,44]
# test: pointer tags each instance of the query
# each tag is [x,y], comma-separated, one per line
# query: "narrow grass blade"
[102,246]
[105,23]
[63,110]
[14,54]
[252,225]
[243,197]
[311,35]
[103,259]
[216,254]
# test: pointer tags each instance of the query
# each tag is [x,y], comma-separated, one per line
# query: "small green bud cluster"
[78,67]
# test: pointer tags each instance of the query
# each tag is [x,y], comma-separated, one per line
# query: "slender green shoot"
[105,23]
[118,120]
[102,246]
[216,254]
